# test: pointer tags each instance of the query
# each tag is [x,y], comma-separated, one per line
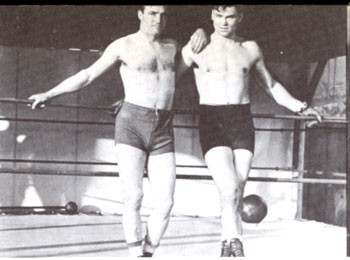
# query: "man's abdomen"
[221,88]
[152,90]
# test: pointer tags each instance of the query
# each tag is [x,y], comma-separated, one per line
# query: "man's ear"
[212,15]
[139,14]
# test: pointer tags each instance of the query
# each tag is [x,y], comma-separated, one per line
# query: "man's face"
[153,19]
[226,20]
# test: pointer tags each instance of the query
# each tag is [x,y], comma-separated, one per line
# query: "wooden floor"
[102,236]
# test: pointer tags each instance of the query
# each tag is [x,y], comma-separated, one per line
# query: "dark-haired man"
[226,128]
[144,123]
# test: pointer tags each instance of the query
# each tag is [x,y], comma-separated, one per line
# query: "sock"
[228,239]
[149,247]
[135,248]
[240,238]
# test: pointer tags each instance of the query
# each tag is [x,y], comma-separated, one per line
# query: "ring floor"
[102,236]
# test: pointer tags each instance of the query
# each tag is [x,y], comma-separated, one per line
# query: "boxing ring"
[102,235]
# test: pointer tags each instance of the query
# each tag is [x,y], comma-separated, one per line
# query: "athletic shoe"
[225,249]
[236,248]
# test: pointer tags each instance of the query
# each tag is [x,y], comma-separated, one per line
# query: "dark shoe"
[236,248]
[146,254]
[225,249]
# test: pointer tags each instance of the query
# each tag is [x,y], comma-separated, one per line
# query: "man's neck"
[149,37]
[233,37]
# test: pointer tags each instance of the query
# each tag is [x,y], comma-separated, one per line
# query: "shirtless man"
[144,123]
[226,127]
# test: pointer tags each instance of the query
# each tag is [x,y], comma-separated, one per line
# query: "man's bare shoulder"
[125,40]
[252,46]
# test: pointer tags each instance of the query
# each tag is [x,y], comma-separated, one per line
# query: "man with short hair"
[226,127]
[144,123]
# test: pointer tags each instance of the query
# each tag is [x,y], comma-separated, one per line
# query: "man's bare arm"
[183,61]
[83,77]
[277,91]
[199,40]
[272,87]
[184,58]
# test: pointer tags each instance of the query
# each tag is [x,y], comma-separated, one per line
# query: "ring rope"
[178,176]
[176,111]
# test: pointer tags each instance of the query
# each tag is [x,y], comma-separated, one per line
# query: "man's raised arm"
[198,41]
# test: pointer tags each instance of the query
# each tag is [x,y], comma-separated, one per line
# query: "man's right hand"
[39,100]
[115,108]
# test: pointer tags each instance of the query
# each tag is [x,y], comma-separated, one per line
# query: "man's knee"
[232,195]
[164,207]
[133,201]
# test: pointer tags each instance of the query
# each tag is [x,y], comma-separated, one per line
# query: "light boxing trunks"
[148,129]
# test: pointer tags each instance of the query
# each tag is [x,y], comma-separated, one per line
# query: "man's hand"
[39,100]
[198,41]
[309,111]
[115,108]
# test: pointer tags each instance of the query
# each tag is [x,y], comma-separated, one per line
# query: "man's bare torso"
[222,71]
[148,71]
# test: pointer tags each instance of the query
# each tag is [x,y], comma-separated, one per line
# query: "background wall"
[34,56]
[326,149]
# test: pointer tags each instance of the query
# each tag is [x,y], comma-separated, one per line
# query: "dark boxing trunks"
[148,129]
[228,125]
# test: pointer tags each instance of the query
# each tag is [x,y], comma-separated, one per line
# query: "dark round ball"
[71,208]
[254,209]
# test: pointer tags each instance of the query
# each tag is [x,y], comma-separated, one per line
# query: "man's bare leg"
[162,176]
[230,172]
[242,161]
[131,163]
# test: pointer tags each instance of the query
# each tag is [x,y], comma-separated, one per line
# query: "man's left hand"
[311,112]
[198,41]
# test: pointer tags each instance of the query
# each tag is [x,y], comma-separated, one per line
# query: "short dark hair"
[142,7]
[239,8]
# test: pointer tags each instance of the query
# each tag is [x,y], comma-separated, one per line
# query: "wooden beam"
[311,88]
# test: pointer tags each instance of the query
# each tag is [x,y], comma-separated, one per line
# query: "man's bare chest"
[236,60]
[150,58]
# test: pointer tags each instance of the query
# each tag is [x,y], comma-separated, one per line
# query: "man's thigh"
[219,160]
[131,162]
[162,174]
[228,167]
